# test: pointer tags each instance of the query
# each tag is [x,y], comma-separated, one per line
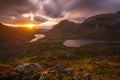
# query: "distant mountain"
[103,27]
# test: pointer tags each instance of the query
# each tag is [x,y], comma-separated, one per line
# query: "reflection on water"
[37,36]
[78,43]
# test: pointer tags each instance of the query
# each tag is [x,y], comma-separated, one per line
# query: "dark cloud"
[52,10]
[55,8]
[10,8]
[85,4]
[39,19]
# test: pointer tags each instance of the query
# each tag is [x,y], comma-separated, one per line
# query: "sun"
[30,25]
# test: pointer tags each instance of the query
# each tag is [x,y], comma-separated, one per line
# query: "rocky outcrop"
[29,69]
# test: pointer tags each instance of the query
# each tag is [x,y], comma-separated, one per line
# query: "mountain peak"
[118,12]
[64,22]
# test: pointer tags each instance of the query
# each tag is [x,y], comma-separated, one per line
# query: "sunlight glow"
[29,25]
[22,25]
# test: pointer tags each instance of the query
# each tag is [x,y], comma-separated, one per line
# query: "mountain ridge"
[102,27]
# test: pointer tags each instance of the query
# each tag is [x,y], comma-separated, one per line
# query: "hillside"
[97,58]
[13,37]
[64,29]
[103,27]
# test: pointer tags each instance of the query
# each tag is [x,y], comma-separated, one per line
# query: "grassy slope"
[88,56]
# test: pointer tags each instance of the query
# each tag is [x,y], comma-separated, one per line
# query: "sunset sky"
[45,13]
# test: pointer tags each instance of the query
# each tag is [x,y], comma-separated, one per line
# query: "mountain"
[64,29]
[102,27]
[13,37]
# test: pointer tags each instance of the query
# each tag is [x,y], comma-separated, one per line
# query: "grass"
[95,57]
[100,68]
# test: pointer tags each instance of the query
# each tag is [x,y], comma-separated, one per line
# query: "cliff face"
[104,27]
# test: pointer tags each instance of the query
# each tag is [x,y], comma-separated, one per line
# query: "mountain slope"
[104,27]
[13,37]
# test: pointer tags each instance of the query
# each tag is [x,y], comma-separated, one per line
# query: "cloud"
[61,8]
[11,7]
[12,10]
[85,4]
[52,11]
[39,19]
[56,8]
[15,8]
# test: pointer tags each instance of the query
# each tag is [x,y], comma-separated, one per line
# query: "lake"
[78,43]
[37,37]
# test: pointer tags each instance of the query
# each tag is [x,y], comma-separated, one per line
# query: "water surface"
[37,37]
[78,43]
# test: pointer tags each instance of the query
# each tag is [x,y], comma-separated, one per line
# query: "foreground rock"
[57,71]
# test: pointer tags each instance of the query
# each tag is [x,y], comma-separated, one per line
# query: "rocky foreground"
[44,71]
[101,68]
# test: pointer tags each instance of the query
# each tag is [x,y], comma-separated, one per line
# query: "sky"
[46,13]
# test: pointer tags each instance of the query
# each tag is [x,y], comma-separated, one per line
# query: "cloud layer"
[12,11]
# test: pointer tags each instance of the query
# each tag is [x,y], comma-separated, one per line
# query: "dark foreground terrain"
[98,61]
